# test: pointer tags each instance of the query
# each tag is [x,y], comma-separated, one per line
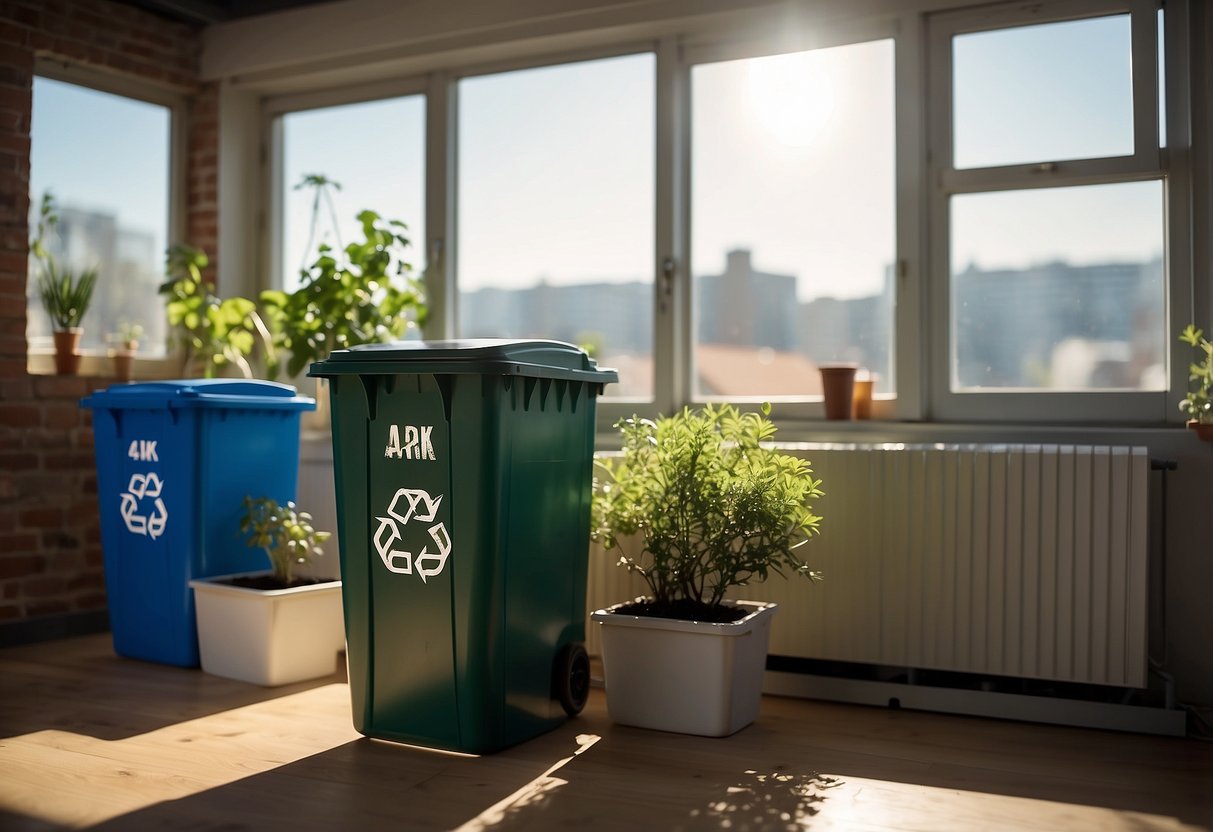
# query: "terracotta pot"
[838,387]
[124,362]
[863,398]
[67,351]
[1204,430]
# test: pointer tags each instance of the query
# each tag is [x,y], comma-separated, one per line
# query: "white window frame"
[274,108]
[902,31]
[94,362]
[609,409]
[1147,163]
[920,32]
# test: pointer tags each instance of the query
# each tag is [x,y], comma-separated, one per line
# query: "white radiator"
[1019,560]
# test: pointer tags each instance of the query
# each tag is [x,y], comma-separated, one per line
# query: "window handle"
[668,268]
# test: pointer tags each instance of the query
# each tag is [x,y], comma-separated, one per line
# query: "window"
[105,159]
[1049,215]
[375,153]
[981,206]
[792,219]
[1043,93]
[556,212]
[1059,288]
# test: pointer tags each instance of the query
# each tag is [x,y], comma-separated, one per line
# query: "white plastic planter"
[268,637]
[688,677]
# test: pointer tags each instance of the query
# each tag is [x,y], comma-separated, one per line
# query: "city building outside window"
[969,206]
[793,219]
[556,211]
[1049,215]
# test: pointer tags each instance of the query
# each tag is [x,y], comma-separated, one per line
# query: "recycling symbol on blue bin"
[412,505]
[142,508]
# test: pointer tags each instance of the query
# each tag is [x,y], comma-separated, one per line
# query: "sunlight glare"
[791,96]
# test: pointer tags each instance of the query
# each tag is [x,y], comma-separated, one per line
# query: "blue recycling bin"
[175,460]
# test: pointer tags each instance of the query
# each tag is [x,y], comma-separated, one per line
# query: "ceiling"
[202,12]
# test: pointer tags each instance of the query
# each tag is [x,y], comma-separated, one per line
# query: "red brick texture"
[202,185]
[50,544]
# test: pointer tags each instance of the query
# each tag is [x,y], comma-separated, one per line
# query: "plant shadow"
[769,801]
[558,780]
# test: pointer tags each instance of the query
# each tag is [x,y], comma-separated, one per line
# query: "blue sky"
[1055,91]
[103,153]
[375,150]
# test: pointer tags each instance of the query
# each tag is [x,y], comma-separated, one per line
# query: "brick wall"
[50,549]
[202,179]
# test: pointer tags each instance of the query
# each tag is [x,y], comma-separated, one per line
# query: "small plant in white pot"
[272,627]
[706,504]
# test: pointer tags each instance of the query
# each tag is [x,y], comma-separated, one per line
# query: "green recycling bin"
[463,474]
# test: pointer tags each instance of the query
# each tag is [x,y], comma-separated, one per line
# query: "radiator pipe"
[1158,666]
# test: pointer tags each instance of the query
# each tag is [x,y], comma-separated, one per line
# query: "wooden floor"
[90,740]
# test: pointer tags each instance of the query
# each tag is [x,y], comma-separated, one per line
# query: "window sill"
[95,365]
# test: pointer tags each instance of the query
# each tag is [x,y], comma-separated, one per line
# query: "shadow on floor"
[109,697]
[591,774]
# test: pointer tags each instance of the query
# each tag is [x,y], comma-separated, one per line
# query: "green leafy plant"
[213,331]
[47,219]
[364,294]
[65,294]
[711,505]
[129,334]
[1197,404]
[285,533]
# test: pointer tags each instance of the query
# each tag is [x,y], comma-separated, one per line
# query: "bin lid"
[199,393]
[483,356]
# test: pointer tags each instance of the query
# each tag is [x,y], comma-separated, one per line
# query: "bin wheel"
[572,678]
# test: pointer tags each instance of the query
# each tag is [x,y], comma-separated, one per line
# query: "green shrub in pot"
[700,503]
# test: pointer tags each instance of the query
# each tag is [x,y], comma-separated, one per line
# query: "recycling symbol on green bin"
[412,505]
[141,518]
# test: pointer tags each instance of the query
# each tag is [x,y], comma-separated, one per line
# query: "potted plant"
[1197,404]
[271,627]
[364,294]
[123,354]
[697,504]
[215,333]
[65,294]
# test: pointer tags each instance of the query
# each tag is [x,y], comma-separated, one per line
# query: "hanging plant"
[363,294]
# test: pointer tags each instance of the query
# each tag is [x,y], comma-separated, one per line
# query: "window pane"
[556,174]
[1041,93]
[793,225]
[376,152]
[1059,289]
[105,159]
